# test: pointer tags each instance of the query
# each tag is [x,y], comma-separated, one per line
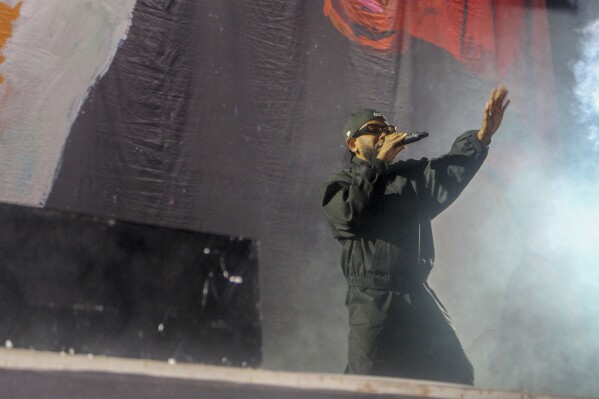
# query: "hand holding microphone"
[393,144]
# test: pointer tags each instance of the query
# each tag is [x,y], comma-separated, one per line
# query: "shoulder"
[341,178]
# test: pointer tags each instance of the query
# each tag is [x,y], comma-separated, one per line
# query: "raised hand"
[493,114]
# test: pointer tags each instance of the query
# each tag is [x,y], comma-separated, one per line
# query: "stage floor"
[28,374]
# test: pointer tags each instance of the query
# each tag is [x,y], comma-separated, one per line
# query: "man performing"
[381,214]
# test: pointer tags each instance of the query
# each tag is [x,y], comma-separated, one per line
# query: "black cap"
[357,120]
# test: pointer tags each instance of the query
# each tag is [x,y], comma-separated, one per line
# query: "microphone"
[413,137]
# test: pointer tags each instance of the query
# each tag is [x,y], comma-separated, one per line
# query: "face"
[368,143]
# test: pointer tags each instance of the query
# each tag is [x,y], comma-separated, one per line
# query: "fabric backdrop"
[224,117]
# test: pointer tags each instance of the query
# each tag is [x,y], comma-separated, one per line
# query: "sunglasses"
[373,128]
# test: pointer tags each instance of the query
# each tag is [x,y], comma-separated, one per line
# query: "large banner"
[225,117]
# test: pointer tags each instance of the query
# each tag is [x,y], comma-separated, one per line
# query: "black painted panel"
[76,283]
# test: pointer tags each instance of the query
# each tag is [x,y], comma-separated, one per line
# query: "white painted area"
[225,376]
[58,50]
[11,3]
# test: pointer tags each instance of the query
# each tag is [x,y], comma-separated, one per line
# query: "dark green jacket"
[382,214]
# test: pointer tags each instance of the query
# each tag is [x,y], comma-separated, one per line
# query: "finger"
[488,108]
[502,96]
[491,96]
[499,102]
[499,105]
[395,137]
[499,94]
[495,94]
[402,137]
[505,106]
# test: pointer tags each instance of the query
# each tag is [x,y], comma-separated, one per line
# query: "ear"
[351,144]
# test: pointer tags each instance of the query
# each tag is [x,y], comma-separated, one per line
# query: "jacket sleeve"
[346,199]
[444,178]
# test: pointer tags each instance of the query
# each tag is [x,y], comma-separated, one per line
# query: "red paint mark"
[481,34]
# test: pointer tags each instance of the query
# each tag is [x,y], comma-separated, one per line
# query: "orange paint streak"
[7,16]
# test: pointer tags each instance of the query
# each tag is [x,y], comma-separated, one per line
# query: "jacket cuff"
[472,137]
[379,166]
